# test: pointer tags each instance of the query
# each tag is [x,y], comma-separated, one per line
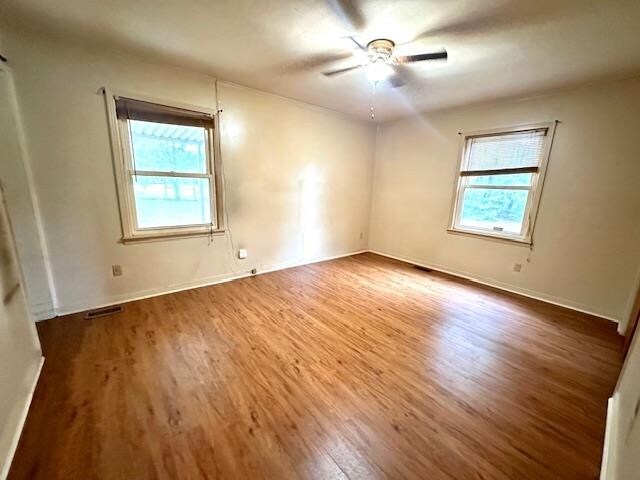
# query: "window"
[500,181]
[164,169]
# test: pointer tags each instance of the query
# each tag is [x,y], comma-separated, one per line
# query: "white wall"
[19,197]
[298,178]
[299,185]
[587,237]
[20,356]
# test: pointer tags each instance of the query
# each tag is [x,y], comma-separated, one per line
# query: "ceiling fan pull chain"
[373,97]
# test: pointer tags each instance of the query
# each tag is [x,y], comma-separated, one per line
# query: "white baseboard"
[500,286]
[608,468]
[21,421]
[202,282]
[285,265]
[229,276]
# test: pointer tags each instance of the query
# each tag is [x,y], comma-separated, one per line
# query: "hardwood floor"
[361,367]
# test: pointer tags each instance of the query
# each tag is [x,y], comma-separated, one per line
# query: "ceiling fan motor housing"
[380,48]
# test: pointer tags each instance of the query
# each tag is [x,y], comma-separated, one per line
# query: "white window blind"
[518,152]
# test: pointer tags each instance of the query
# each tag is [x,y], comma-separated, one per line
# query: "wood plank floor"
[361,367]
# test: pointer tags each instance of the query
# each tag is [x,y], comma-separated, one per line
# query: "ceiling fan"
[379,57]
[380,60]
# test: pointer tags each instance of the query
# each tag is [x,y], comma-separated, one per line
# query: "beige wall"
[299,185]
[587,237]
[298,178]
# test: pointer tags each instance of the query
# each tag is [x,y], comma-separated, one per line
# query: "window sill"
[524,242]
[159,237]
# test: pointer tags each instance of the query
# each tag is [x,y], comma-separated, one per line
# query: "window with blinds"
[165,169]
[500,181]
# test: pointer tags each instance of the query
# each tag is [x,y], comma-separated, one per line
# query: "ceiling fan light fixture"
[379,61]
[378,71]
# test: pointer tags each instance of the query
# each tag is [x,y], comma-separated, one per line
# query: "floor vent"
[103,312]
[424,269]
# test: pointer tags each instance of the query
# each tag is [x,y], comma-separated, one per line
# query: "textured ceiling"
[497,48]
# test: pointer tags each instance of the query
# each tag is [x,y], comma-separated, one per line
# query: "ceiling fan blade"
[331,73]
[403,75]
[314,62]
[357,43]
[422,57]
[397,81]
[485,18]
[349,12]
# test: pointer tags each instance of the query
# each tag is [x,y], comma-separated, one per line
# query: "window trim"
[533,200]
[124,173]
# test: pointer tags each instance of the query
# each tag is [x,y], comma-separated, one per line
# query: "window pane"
[505,150]
[163,147]
[518,179]
[494,209]
[171,201]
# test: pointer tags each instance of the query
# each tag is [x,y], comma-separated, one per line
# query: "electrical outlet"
[517,267]
[116,270]
[242,254]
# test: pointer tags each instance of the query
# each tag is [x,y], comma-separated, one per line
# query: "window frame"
[535,189]
[124,172]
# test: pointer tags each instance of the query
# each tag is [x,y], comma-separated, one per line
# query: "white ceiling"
[497,48]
